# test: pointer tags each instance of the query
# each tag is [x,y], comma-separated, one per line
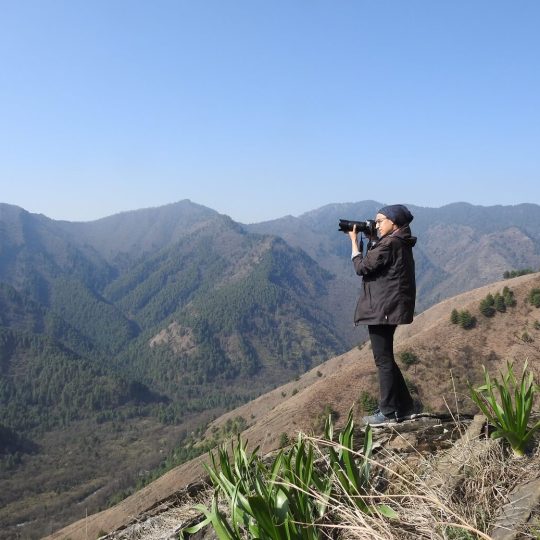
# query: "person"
[387,299]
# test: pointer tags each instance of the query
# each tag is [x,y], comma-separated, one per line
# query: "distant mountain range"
[460,246]
[158,318]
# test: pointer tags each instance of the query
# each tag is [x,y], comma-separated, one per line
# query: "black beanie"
[398,213]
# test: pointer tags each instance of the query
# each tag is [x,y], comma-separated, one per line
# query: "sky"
[264,108]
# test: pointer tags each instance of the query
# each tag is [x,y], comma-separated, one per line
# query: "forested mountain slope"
[117,335]
[155,320]
[448,356]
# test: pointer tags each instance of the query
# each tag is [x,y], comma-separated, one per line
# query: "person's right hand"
[353,234]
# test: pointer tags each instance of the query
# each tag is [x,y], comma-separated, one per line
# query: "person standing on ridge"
[387,299]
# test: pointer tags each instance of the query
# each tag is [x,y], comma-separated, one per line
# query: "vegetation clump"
[290,497]
[534,297]
[463,319]
[323,488]
[409,358]
[491,304]
[507,405]
[507,274]
[367,402]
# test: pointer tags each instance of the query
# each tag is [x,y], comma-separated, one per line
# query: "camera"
[367,227]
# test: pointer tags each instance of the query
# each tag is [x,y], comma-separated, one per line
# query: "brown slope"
[449,356]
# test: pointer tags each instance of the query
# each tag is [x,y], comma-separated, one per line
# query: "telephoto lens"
[367,227]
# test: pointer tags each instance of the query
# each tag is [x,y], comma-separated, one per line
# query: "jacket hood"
[405,235]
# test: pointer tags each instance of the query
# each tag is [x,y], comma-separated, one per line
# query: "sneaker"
[378,418]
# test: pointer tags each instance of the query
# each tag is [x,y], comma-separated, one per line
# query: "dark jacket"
[389,287]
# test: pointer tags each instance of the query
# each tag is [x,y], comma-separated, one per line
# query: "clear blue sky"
[262,108]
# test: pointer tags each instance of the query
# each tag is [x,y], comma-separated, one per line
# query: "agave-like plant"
[510,411]
[288,499]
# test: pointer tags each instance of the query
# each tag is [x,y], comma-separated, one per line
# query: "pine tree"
[509,298]
[500,306]
[454,316]
[486,306]
[466,320]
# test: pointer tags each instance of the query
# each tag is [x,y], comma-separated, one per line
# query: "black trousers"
[394,395]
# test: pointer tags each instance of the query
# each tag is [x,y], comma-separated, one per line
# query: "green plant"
[526,337]
[508,296]
[511,410]
[367,402]
[287,499]
[534,297]
[454,316]
[507,274]
[283,440]
[499,303]
[487,306]
[409,358]
[466,320]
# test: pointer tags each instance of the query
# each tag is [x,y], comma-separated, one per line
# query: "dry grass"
[437,510]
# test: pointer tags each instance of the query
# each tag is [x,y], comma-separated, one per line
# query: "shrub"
[500,305]
[508,296]
[498,302]
[409,358]
[454,316]
[466,320]
[283,440]
[526,337]
[367,402]
[486,307]
[510,412]
[534,297]
[515,273]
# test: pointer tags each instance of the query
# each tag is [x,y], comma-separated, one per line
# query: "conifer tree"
[454,316]
[500,306]
[466,320]
[486,306]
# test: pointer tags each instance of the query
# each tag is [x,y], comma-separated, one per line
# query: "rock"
[514,514]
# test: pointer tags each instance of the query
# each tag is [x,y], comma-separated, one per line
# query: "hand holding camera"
[367,227]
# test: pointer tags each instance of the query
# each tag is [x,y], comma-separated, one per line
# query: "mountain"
[131,332]
[460,246]
[448,356]
[107,337]
[123,238]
